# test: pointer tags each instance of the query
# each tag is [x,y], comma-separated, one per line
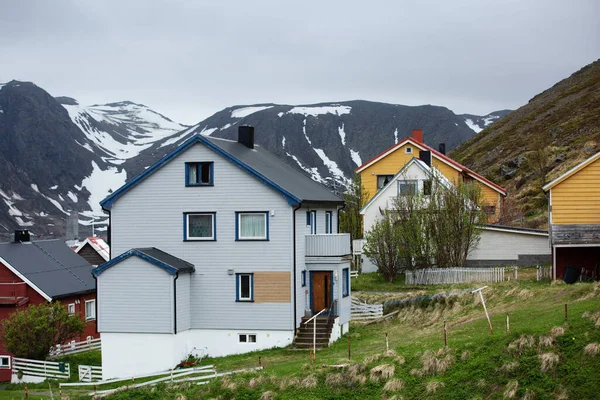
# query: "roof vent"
[425,156]
[21,235]
[246,136]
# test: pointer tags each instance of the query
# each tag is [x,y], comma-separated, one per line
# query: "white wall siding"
[151,214]
[498,245]
[126,305]
[183,299]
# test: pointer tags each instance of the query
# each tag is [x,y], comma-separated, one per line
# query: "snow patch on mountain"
[304,131]
[342,134]
[245,111]
[72,196]
[474,127]
[490,119]
[337,173]
[283,142]
[313,172]
[356,157]
[100,183]
[321,110]
[396,136]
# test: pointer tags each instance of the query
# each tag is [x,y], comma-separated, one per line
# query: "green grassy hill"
[536,143]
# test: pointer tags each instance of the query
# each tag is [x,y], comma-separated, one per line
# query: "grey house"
[218,248]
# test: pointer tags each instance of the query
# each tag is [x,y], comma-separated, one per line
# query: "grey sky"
[188,59]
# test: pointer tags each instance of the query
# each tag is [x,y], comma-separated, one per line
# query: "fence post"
[507,324]
[387,343]
[445,335]
[516,273]
[566,312]
[348,347]
[259,362]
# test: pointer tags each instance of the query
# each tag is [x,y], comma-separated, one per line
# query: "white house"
[218,248]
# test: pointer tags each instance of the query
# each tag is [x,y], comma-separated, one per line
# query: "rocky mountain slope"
[538,142]
[58,157]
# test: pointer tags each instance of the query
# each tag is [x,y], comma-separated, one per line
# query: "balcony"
[328,245]
[13,293]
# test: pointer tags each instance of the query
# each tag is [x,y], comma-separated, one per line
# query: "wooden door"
[321,290]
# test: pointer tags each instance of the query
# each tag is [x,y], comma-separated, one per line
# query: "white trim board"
[492,228]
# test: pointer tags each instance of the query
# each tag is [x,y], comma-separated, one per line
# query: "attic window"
[383,180]
[199,174]
[408,150]
[490,210]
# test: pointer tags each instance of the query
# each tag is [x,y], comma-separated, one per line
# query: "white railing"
[44,369]
[360,310]
[353,274]
[357,246]
[314,320]
[441,276]
[75,347]
[543,273]
[89,373]
[328,245]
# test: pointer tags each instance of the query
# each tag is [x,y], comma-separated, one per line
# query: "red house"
[33,272]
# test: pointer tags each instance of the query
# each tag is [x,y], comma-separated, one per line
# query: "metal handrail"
[314,319]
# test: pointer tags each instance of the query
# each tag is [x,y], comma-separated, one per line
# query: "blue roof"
[292,184]
[166,261]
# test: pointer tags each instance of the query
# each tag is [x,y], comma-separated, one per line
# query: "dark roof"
[166,261]
[51,266]
[292,184]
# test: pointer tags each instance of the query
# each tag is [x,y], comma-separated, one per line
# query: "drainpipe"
[295,262]
[175,302]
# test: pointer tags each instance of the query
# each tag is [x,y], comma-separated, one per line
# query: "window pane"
[407,188]
[252,226]
[242,338]
[244,286]
[205,168]
[252,338]
[4,362]
[200,226]
[383,180]
[89,309]
[193,173]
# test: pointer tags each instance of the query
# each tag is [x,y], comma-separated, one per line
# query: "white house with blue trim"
[218,248]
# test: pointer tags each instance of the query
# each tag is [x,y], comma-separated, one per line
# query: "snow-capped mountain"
[59,158]
[478,123]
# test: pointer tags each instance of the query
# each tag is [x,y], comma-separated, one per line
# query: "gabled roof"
[292,184]
[442,157]
[166,261]
[572,171]
[98,245]
[50,267]
[426,168]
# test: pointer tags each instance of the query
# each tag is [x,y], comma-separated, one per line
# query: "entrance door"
[321,286]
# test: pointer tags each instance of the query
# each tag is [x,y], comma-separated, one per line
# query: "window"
[383,180]
[199,226]
[90,310]
[245,287]
[345,282]
[407,188]
[199,174]
[71,308]
[303,278]
[408,150]
[252,225]
[311,220]
[490,210]
[328,221]
[4,362]
[427,185]
[247,338]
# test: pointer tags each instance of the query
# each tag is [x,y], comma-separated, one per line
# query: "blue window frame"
[244,287]
[199,173]
[199,226]
[303,278]
[251,225]
[328,222]
[345,282]
[311,220]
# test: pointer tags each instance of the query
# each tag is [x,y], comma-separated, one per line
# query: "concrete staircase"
[304,334]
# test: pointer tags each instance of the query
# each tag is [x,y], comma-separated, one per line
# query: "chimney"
[246,136]
[442,148]
[417,135]
[21,235]
[425,156]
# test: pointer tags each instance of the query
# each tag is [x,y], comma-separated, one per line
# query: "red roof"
[438,155]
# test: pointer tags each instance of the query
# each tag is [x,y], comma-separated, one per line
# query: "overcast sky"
[189,59]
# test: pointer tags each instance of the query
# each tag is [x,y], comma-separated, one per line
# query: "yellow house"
[574,220]
[376,172]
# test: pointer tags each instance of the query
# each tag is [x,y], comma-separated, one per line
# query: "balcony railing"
[328,245]
[13,290]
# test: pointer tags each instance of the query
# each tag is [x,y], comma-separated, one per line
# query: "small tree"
[350,219]
[31,333]
[384,247]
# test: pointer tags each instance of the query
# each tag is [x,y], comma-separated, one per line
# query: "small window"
[199,226]
[345,282]
[90,310]
[199,174]
[4,362]
[245,287]
[243,338]
[490,210]
[407,188]
[252,226]
[311,220]
[247,338]
[303,278]
[252,338]
[383,180]
[408,150]
[328,222]
[427,185]
[71,308]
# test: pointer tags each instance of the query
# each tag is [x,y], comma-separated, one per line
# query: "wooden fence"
[75,347]
[543,273]
[43,369]
[89,373]
[441,276]
[360,310]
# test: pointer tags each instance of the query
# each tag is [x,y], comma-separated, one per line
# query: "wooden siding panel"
[495,245]
[272,287]
[91,255]
[575,200]
[135,296]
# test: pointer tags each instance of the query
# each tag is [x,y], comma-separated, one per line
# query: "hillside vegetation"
[538,142]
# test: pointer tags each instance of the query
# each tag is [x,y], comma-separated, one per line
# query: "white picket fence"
[441,276]
[89,373]
[360,310]
[42,369]
[543,273]
[75,347]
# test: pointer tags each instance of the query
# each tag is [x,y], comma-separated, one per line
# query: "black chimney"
[425,156]
[246,136]
[442,148]
[21,235]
